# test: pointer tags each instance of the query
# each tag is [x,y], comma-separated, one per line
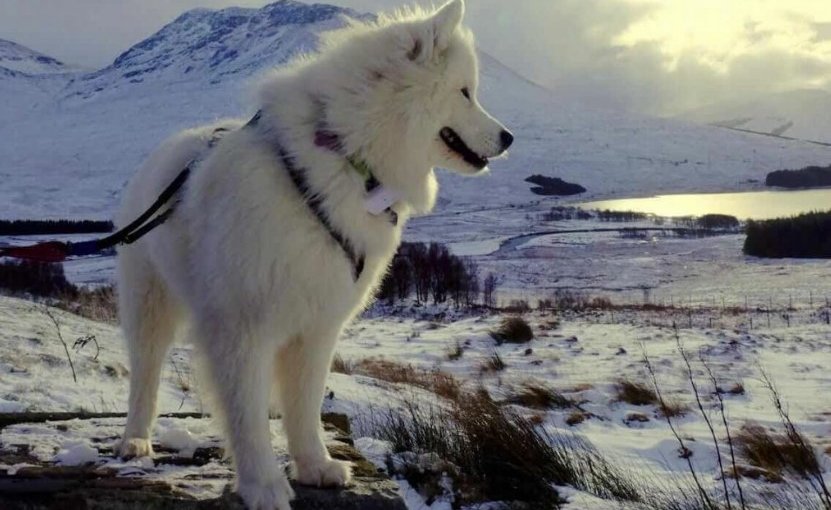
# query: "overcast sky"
[656,56]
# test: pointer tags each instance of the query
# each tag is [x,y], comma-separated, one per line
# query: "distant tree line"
[804,236]
[51,227]
[808,177]
[709,222]
[621,216]
[561,212]
[431,272]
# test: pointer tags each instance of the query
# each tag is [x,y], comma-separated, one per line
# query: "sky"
[653,56]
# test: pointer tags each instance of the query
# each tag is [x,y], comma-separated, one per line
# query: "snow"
[76,453]
[15,58]
[35,374]
[173,435]
[800,114]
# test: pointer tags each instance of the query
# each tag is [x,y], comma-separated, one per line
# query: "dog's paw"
[135,447]
[325,473]
[274,495]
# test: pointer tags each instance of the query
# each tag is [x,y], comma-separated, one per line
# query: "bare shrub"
[39,279]
[513,330]
[489,290]
[57,323]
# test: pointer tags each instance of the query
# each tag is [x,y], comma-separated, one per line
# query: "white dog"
[286,225]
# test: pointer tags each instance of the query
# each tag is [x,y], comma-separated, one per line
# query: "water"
[756,205]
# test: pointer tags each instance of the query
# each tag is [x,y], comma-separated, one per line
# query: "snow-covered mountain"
[207,47]
[803,114]
[15,58]
[68,149]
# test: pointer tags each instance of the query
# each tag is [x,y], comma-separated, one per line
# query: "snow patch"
[76,453]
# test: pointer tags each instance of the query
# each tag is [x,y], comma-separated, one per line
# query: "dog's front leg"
[241,367]
[302,368]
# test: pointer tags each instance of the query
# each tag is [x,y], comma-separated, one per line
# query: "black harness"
[314,201]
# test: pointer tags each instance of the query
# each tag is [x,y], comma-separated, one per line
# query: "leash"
[379,201]
[58,251]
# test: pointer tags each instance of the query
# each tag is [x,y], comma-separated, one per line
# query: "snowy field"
[582,358]
[740,314]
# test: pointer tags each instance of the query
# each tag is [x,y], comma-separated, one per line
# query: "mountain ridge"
[17,59]
[71,144]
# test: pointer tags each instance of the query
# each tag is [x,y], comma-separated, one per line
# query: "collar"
[379,199]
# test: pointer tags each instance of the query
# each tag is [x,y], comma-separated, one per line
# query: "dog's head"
[463,135]
[402,92]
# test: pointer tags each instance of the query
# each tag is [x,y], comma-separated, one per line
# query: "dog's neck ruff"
[379,199]
[315,201]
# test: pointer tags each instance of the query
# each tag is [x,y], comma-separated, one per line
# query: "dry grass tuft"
[341,366]
[456,352]
[736,389]
[436,381]
[498,454]
[635,393]
[100,304]
[672,408]
[535,395]
[577,417]
[513,330]
[776,453]
[494,363]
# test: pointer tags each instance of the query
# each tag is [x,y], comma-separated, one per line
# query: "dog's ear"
[446,21]
[434,34]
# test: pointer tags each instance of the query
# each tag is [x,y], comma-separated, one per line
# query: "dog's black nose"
[506,138]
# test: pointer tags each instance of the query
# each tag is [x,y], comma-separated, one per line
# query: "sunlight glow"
[718,31]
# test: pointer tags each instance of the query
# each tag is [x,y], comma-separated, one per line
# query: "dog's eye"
[466,93]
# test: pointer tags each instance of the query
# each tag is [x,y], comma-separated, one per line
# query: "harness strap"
[314,201]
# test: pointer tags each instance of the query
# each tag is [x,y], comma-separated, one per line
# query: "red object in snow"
[52,251]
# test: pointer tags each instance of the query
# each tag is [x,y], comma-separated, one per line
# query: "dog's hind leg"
[240,366]
[148,318]
[302,367]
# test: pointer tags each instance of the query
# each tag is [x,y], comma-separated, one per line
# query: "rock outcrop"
[174,480]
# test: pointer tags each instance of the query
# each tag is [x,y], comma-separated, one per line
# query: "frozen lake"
[757,205]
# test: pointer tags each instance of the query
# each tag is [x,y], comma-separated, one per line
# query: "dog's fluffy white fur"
[243,261]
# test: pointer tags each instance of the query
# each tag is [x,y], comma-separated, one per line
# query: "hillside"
[803,114]
[15,58]
[69,149]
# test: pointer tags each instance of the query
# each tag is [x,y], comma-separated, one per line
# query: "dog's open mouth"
[455,143]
